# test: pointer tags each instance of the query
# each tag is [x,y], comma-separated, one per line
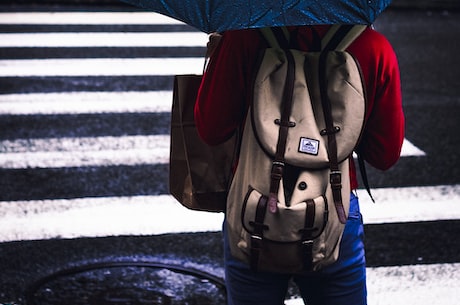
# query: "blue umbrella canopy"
[221,15]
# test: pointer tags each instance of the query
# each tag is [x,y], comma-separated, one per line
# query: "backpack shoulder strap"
[339,37]
[276,37]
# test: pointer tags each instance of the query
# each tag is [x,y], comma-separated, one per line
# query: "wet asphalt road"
[428,52]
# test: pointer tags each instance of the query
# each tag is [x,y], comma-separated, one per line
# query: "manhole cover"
[128,284]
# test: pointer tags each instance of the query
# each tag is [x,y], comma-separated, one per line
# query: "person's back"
[221,108]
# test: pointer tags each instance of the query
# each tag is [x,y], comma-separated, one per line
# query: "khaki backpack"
[289,198]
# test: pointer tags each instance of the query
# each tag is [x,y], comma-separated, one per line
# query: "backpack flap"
[306,144]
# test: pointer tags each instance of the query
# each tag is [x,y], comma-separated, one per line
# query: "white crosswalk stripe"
[89,217]
[77,152]
[97,18]
[101,151]
[85,102]
[124,215]
[100,67]
[64,40]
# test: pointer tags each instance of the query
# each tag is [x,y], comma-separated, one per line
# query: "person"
[222,103]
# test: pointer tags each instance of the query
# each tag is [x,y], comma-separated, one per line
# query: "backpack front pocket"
[290,238]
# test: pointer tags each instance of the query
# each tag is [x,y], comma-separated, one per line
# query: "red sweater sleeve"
[223,97]
[383,135]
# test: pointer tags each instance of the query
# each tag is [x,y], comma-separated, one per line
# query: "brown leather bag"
[199,174]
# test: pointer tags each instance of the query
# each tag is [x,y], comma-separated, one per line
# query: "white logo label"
[308,146]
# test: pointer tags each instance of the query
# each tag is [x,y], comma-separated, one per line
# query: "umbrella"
[221,15]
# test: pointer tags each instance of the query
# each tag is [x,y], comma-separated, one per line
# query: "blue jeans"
[342,283]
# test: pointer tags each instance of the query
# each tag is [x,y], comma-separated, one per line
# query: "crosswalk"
[134,138]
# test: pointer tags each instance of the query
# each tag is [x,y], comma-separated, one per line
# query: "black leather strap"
[284,125]
[307,234]
[363,171]
[258,232]
[335,177]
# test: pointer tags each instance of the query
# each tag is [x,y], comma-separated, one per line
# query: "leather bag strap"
[307,234]
[258,233]
[335,175]
[284,125]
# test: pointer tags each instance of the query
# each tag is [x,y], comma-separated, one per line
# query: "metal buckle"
[335,177]
[256,242]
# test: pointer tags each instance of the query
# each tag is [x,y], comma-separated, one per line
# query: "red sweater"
[223,98]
